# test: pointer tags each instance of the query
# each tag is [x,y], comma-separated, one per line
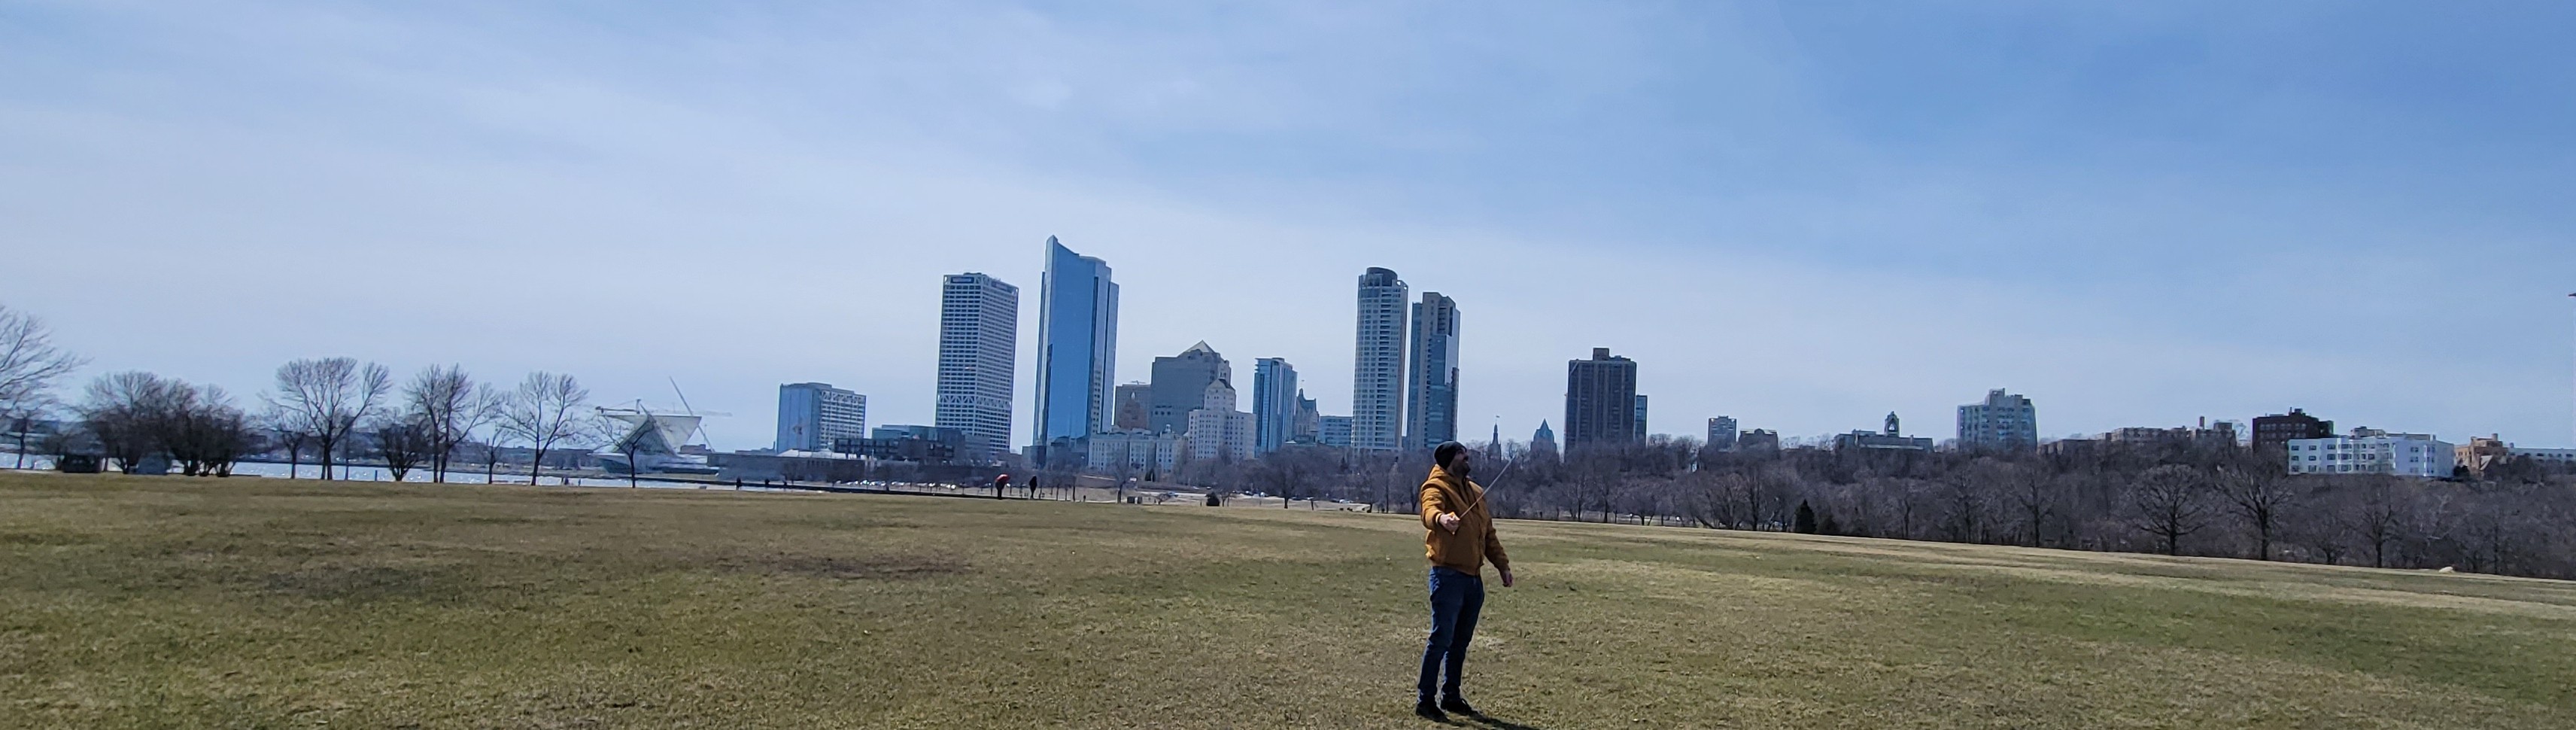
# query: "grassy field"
[169,602]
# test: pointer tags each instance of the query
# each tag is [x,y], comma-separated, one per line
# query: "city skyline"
[2128,214]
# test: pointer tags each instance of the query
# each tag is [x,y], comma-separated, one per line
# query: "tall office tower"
[2005,422]
[1180,386]
[1307,422]
[1077,345]
[1641,418]
[1377,387]
[1431,376]
[1600,399]
[1274,403]
[1721,433]
[979,339]
[1135,401]
[811,415]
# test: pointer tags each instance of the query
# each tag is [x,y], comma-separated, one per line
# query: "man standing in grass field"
[1459,538]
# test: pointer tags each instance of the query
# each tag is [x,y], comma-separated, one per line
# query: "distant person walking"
[1458,537]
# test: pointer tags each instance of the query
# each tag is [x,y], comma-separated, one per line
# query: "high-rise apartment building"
[1721,433]
[1180,386]
[2004,422]
[1133,408]
[1135,453]
[811,416]
[979,338]
[1377,374]
[1077,345]
[1431,377]
[1600,400]
[1274,403]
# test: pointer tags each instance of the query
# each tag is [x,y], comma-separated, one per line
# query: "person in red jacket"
[1458,537]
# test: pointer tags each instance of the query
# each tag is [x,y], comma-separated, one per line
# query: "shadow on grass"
[1493,722]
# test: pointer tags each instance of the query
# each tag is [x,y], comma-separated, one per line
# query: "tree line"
[334,410]
[2162,498]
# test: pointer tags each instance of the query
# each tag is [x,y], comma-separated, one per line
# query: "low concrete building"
[1759,439]
[2486,452]
[1333,430]
[1136,451]
[1887,439]
[2372,451]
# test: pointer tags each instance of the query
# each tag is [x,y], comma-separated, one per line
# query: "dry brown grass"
[170,602]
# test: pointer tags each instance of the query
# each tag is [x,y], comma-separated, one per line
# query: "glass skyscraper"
[1077,345]
[1274,403]
[1431,378]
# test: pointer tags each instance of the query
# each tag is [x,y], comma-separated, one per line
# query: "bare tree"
[1967,493]
[547,410]
[2380,519]
[404,444]
[328,398]
[449,407]
[203,431]
[2033,497]
[29,363]
[2167,502]
[2258,493]
[285,433]
[22,418]
[121,410]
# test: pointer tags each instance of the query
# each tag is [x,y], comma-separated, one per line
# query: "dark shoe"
[1425,710]
[1459,705]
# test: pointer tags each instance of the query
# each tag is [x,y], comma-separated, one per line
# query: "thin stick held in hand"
[1480,494]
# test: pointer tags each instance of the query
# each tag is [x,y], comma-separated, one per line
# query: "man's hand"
[1449,521]
[1507,578]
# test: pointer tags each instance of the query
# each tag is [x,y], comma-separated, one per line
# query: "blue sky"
[1803,215]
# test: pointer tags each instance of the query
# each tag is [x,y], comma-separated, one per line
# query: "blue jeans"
[1456,598]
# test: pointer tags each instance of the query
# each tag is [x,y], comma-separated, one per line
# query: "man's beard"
[1463,469]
